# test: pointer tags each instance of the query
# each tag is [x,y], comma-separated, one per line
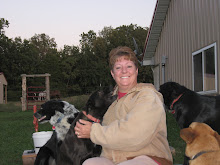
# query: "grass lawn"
[174,139]
[16,135]
[17,128]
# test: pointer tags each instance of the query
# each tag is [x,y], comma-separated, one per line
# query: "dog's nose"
[37,115]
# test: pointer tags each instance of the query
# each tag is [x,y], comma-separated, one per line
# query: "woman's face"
[125,74]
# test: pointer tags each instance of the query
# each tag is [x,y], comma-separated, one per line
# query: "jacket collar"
[139,87]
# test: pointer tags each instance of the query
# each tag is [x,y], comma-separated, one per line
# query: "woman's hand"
[83,131]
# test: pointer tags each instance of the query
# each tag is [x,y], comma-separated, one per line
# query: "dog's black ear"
[217,136]
[60,106]
[187,134]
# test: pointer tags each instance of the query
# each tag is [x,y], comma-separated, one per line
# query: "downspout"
[163,63]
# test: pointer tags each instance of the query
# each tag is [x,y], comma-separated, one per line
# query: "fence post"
[47,85]
[35,122]
[24,88]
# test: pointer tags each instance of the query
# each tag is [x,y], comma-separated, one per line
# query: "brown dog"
[202,144]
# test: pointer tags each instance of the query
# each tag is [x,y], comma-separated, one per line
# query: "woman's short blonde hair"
[122,51]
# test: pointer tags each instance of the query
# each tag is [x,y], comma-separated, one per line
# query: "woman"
[133,131]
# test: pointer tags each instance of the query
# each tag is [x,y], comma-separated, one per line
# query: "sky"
[66,20]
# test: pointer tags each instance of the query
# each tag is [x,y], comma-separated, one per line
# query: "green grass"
[16,135]
[17,129]
[174,139]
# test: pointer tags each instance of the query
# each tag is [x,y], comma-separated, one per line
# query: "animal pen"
[36,96]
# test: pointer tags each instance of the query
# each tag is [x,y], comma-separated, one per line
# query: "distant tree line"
[74,69]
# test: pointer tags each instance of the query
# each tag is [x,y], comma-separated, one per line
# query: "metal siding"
[189,26]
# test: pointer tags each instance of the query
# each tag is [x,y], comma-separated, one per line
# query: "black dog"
[189,106]
[74,151]
[60,114]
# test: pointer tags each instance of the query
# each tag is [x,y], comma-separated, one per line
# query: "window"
[205,70]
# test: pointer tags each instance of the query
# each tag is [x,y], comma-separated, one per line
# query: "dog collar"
[58,121]
[91,117]
[199,154]
[174,101]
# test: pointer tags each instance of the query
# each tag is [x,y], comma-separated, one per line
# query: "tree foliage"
[74,69]
[3,23]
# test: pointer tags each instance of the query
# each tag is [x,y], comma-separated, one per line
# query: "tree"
[101,53]
[88,62]
[4,45]
[44,44]
[86,41]
[3,23]
[69,61]
[48,60]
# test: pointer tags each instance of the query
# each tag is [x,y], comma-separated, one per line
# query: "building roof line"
[155,29]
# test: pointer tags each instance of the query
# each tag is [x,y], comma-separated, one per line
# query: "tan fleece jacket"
[134,125]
